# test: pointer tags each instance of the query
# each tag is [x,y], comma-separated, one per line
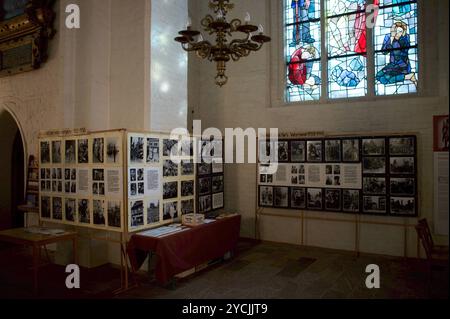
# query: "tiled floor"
[266,270]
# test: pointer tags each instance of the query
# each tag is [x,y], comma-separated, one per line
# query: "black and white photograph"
[83,151]
[314,151]
[267,151]
[170,169]
[298,151]
[204,185]
[281,197]
[57,209]
[152,150]
[374,204]
[98,150]
[187,188]
[73,187]
[170,147]
[333,199]
[329,169]
[217,201]
[140,174]
[114,214]
[133,189]
[217,184]
[67,187]
[70,209]
[45,152]
[283,151]
[112,150]
[56,152]
[187,168]
[374,146]
[45,207]
[374,185]
[294,180]
[170,210]
[350,150]
[402,165]
[136,149]
[137,213]
[204,168]
[374,165]
[204,204]
[140,189]
[217,167]
[402,186]
[187,206]
[266,196]
[314,198]
[401,146]
[301,179]
[153,211]
[298,197]
[84,214]
[170,190]
[263,178]
[98,174]
[133,176]
[350,200]
[403,206]
[187,147]
[98,211]
[70,152]
[332,150]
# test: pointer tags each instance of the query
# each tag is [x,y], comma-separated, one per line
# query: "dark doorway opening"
[17,181]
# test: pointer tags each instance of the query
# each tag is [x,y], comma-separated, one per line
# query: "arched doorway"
[11,172]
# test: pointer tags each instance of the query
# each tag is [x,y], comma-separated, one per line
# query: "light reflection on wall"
[168,66]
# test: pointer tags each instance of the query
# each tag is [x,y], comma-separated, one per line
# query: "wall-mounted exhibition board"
[351,174]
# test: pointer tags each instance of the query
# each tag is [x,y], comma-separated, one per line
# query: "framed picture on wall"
[314,151]
[440,133]
[350,150]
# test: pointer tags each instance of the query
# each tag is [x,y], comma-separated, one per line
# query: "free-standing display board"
[359,174]
[118,180]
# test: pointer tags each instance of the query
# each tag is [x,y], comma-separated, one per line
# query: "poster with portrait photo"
[314,151]
[283,150]
[70,151]
[401,165]
[170,190]
[136,148]
[187,206]
[56,152]
[187,188]
[45,207]
[350,200]
[374,204]
[374,185]
[266,196]
[440,133]
[187,168]
[152,150]
[70,210]
[98,150]
[45,152]
[281,197]
[403,206]
[136,213]
[350,150]
[298,198]
[153,211]
[374,165]
[298,151]
[217,201]
[83,151]
[170,210]
[204,185]
[373,146]
[84,212]
[113,148]
[402,186]
[314,198]
[170,169]
[402,146]
[57,209]
[170,147]
[114,214]
[204,204]
[99,212]
[333,150]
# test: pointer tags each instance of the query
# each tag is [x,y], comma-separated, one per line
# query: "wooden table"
[20,236]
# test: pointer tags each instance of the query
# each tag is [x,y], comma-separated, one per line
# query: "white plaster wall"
[248,101]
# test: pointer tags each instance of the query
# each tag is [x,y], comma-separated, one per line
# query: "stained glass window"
[303,50]
[395,41]
[395,67]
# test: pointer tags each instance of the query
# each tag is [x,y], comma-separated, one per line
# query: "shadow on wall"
[11,170]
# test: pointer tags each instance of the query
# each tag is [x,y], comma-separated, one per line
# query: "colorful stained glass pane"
[343,7]
[346,35]
[395,40]
[303,50]
[347,77]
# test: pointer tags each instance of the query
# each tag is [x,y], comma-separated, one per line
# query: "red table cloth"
[184,250]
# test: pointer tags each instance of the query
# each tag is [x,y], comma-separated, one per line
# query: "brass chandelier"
[225,49]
